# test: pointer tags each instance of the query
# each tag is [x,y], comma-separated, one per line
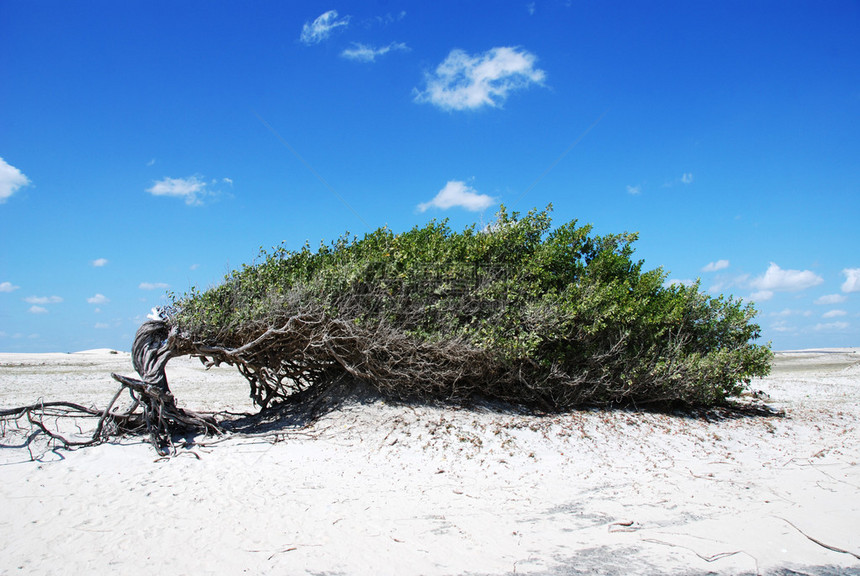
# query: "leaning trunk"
[155,344]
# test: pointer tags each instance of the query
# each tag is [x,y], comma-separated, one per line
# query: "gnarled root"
[153,410]
[161,417]
[155,344]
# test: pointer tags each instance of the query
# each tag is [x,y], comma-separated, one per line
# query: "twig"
[819,542]
[711,558]
[290,549]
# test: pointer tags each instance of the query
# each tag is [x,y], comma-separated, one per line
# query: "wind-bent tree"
[519,311]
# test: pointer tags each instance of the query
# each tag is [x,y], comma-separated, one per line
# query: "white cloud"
[778,280]
[385,20]
[761,295]
[321,28]
[686,179]
[98,299]
[725,283]
[153,286]
[684,282]
[714,266]
[464,82]
[782,326]
[831,299]
[192,189]
[99,262]
[831,326]
[789,312]
[38,310]
[834,314]
[634,190]
[43,299]
[364,53]
[456,193]
[8,287]
[11,180]
[852,280]
[100,326]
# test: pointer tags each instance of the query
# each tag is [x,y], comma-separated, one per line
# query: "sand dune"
[375,487]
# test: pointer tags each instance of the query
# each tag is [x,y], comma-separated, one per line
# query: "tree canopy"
[519,311]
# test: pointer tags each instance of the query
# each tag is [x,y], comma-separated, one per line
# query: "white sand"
[376,488]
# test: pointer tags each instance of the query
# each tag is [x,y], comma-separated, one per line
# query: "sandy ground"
[380,488]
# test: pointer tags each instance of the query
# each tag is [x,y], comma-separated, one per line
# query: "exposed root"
[153,411]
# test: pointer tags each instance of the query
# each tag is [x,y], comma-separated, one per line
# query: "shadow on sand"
[302,409]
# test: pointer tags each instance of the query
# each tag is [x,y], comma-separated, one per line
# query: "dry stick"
[22,410]
[100,425]
[819,542]
[711,558]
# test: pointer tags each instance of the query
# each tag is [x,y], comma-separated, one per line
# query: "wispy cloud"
[8,287]
[725,283]
[386,19]
[831,326]
[192,189]
[38,310]
[364,53]
[98,299]
[783,327]
[789,312]
[321,28]
[834,314]
[634,190]
[100,262]
[761,295]
[852,280]
[465,82]
[685,179]
[714,266]
[43,299]
[458,194]
[153,286]
[830,299]
[11,180]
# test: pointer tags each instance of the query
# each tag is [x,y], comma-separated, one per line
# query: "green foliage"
[559,317]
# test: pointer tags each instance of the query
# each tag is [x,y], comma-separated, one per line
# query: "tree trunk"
[155,344]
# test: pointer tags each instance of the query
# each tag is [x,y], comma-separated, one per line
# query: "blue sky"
[155,146]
